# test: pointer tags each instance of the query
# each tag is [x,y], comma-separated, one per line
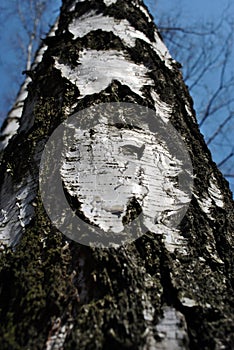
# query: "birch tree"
[116,225]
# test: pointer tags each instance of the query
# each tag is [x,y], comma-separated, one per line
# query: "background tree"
[28,20]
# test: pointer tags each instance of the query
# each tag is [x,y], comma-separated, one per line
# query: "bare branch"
[221,126]
[226,159]
[218,90]
[187,31]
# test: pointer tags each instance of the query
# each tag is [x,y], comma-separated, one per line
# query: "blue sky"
[195,10]
[190,13]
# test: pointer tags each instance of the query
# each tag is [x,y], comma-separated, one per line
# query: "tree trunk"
[168,285]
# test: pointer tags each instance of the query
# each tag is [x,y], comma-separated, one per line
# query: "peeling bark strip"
[59,294]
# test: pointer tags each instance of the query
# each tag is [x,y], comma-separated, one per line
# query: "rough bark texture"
[58,294]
